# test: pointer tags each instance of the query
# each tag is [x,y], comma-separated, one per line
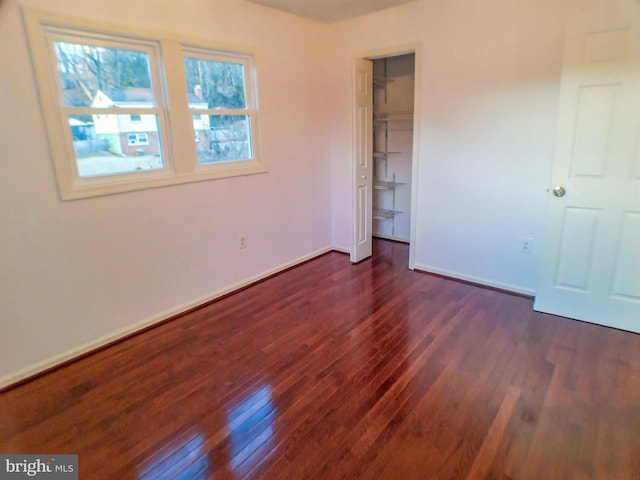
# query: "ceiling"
[329,11]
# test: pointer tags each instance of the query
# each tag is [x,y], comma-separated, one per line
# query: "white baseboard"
[341,249]
[480,280]
[105,340]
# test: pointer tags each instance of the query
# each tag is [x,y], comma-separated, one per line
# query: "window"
[137,139]
[108,94]
[216,84]
[101,80]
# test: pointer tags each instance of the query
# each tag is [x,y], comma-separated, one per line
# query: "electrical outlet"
[527,245]
[242,241]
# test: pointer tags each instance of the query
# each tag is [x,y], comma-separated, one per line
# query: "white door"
[363,159]
[591,257]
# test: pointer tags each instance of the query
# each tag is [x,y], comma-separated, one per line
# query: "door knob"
[364,177]
[559,191]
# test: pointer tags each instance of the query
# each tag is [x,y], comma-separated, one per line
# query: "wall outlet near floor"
[527,245]
[242,240]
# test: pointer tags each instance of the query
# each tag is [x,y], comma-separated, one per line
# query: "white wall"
[73,273]
[489,73]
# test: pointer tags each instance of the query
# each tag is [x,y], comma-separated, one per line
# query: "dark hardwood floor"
[335,371]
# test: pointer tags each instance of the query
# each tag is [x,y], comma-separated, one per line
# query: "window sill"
[108,185]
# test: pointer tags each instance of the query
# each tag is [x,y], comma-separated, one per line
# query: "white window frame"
[168,77]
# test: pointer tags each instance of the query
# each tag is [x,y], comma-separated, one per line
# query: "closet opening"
[392,135]
[385,150]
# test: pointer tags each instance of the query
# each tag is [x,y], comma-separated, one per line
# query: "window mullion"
[111,111]
[220,111]
[185,157]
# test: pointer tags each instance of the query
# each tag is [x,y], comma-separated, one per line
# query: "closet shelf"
[392,115]
[384,214]
[381,82]
[384,154]
[385,184]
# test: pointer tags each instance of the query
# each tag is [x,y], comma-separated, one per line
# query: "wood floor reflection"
[333,371]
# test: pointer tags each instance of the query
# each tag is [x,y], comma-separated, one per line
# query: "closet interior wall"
[393,142]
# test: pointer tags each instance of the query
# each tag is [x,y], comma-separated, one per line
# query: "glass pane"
[100,77]
[222,138]
[216,84]
[113,144]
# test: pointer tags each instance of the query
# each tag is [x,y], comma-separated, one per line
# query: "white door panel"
[363,167]
[591,258]
[595,108]
[626,277]
[363,206]
[576,255]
